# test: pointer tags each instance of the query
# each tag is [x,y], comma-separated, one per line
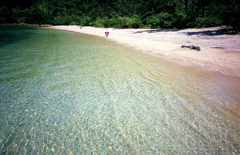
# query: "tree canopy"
[123,13]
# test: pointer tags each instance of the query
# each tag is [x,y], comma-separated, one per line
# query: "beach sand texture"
[219,52]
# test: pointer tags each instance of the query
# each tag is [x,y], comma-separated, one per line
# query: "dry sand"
[219,51]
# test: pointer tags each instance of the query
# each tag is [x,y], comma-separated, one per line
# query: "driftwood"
[191,47]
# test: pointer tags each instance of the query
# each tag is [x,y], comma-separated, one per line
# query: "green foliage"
[67,20]
[18,14]
[86,21]
[4,12]
[208,21]
[136,21]
[162,20]
[113,22]
[98,22]
[73,23]
[106,22]
[124,13]
[102,22]
[235,23]
[232,19]
[129,22]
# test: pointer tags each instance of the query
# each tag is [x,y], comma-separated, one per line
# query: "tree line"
[123,13]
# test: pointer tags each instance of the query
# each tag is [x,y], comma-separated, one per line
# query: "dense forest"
[123,13]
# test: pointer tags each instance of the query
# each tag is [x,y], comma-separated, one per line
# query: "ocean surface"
[68,93]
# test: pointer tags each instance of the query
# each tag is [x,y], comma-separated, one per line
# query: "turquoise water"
[69,93]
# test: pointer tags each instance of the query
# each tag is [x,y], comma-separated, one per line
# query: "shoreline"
[219,52]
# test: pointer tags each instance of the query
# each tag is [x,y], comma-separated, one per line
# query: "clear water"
[68,93]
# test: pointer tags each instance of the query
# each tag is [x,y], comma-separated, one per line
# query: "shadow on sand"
[156,30]
[218,31]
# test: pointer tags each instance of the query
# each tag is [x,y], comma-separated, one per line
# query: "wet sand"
[219,51]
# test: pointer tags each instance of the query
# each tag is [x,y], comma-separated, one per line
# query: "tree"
[124,13]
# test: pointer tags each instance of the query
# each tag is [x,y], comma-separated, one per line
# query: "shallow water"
[68,93]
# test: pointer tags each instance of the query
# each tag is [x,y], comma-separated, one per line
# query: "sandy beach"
[219,51]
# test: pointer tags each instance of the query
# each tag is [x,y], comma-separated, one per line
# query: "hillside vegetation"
[123,13]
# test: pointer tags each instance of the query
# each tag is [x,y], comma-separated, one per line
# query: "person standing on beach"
[107,33]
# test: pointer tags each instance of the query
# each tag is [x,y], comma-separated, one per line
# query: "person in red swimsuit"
[107,33]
